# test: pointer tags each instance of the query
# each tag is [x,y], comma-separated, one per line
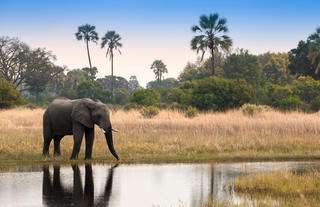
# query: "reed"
[171,136]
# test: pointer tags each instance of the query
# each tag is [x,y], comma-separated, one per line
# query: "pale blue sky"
[154,29]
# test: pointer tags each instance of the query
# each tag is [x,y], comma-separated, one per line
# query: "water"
[131,185]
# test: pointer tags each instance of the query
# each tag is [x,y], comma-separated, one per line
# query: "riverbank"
[171,137]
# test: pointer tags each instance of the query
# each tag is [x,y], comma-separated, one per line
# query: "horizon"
[154,30]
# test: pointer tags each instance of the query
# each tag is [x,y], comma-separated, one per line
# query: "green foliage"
[275,68]
[300,63]
[159,68]
[118,82]
[149,111]
[93,90]
[306,88]
[91,72]
[196,72]
[242,65]
[289,103]
[315,104]
[216,94]
[164,88]
[166,83]
[146,97]
[275,93]
[120,96]
[211,35]
[9,96]
[191,112]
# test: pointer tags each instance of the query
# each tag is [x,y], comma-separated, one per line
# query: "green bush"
[306,88]
[149,111]
[120,96]
[9,96]
[315,104]
[191,112]
[146,97]
[213,93]
[289,103]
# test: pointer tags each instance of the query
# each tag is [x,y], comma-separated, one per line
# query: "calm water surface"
[132,185]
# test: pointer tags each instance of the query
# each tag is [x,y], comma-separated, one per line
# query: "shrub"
[289,103]
[315,104]
[191,112]
[120,96]
[146,97]
[306,88]
[149,111]
[252,109]
[9,96]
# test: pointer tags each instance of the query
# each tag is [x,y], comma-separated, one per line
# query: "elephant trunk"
[108,135]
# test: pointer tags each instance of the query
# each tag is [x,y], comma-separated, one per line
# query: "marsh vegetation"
[171,136]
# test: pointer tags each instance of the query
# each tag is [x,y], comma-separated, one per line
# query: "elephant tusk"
[115,130]
[103,131]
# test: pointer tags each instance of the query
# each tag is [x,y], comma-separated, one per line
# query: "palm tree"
[209,37]
[112,40]
[314,55]
[159,68]
[87,33]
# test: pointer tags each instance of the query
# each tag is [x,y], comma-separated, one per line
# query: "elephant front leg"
[89,134]
[57,140]
[77,137]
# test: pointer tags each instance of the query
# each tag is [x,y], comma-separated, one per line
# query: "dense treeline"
[287,81]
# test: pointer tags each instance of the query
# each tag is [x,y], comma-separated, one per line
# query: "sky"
[154,29]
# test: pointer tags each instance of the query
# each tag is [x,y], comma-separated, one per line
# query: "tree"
[314,54]
[73,79]
[300,63]
[112,40]
[159,68]
[118,82]
[213,93]
[133,84]
[40,71]
[146,97]
[12,63]
[91,72]
[121,96]
[209,37]
[166,83]
[93,90]
[87,33]
[275,68]
[9,96]
[243,65]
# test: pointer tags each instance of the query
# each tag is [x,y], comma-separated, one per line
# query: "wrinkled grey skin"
[77,117]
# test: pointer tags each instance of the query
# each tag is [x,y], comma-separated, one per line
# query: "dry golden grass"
[170,136]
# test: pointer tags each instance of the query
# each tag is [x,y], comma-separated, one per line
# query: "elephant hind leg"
[57,140]
[47,135]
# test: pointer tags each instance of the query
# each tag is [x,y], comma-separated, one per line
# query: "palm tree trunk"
[111,73]
[212,61]
[88,54]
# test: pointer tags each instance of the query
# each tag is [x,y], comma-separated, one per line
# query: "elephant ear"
[82,114]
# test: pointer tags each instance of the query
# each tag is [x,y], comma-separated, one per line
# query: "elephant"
[55,193]
[76,117]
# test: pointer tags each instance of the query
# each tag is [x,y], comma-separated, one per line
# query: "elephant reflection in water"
[55,194]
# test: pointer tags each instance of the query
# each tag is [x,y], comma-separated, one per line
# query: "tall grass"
[171,136]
